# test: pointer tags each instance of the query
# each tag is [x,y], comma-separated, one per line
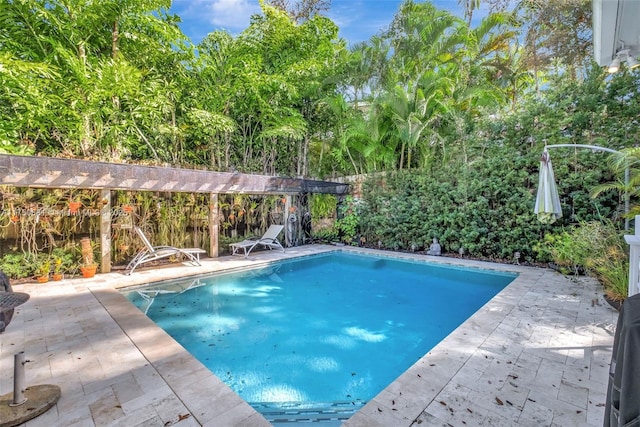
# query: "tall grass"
[599,249]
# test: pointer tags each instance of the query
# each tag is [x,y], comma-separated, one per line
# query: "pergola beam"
[47,172]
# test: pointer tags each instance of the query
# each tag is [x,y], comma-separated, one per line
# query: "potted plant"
[88,266]
[88,270]
[62,260]
[42,270]
[57,269]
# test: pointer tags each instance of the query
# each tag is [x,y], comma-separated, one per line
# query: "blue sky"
[358,20]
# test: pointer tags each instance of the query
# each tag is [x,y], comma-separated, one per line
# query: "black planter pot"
[615,304]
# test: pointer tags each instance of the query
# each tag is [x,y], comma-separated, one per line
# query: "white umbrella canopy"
[547,207]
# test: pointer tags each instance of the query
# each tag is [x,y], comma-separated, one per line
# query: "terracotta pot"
[88,271]
[57,276]
[42,279]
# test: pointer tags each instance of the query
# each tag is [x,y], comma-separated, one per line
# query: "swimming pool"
[321,333]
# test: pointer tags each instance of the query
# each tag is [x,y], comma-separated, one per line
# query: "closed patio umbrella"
[547,207]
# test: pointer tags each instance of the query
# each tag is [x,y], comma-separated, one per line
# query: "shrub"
[612,270]
[322,206]
[348,222]
[571,250]
[324,236]
[16,266]
[598,248]
[483,206]
[64,259]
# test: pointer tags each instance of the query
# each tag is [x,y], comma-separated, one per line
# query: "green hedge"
[484,206]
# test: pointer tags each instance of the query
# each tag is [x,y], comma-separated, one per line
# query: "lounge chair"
[268,240]
[153,253]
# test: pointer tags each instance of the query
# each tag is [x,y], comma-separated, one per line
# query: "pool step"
[291,415]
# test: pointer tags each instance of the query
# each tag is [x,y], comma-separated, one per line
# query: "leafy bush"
[43,266]
[599,248]
[608,259]
[571,250]
[64,259]
[348,220]
[324,236]
[19,265]
[322,206]
[612,270]
[483,206]
[224,242]
[16,266]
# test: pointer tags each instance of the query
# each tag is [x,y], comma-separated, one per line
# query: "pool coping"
[399,404]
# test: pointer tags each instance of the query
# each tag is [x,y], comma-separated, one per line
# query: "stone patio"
[536,355]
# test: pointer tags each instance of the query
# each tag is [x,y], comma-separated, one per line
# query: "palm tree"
[626,165]
[408,108]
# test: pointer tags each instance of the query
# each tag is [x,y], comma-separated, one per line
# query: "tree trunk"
[179,154]
[85,142]
[353,162]
[534,52]
[299,160]
[86,120]
[320,158]
[115,35]
[305,155]
[227,151]
[82,54]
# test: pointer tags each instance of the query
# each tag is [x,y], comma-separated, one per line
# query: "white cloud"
[359,20]
[343,14]
[233,15]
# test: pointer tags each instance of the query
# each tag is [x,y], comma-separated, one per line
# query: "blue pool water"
[332,329]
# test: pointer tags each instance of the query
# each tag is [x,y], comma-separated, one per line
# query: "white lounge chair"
[268,240]
[153,253]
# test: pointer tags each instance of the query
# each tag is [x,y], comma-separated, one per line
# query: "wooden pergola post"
[105,230]
[214,225]
[287,207]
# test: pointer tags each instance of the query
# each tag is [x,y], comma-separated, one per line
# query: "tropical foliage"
[119,81]
[595,247]
[447,115]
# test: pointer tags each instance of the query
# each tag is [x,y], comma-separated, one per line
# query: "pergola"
[47,172]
